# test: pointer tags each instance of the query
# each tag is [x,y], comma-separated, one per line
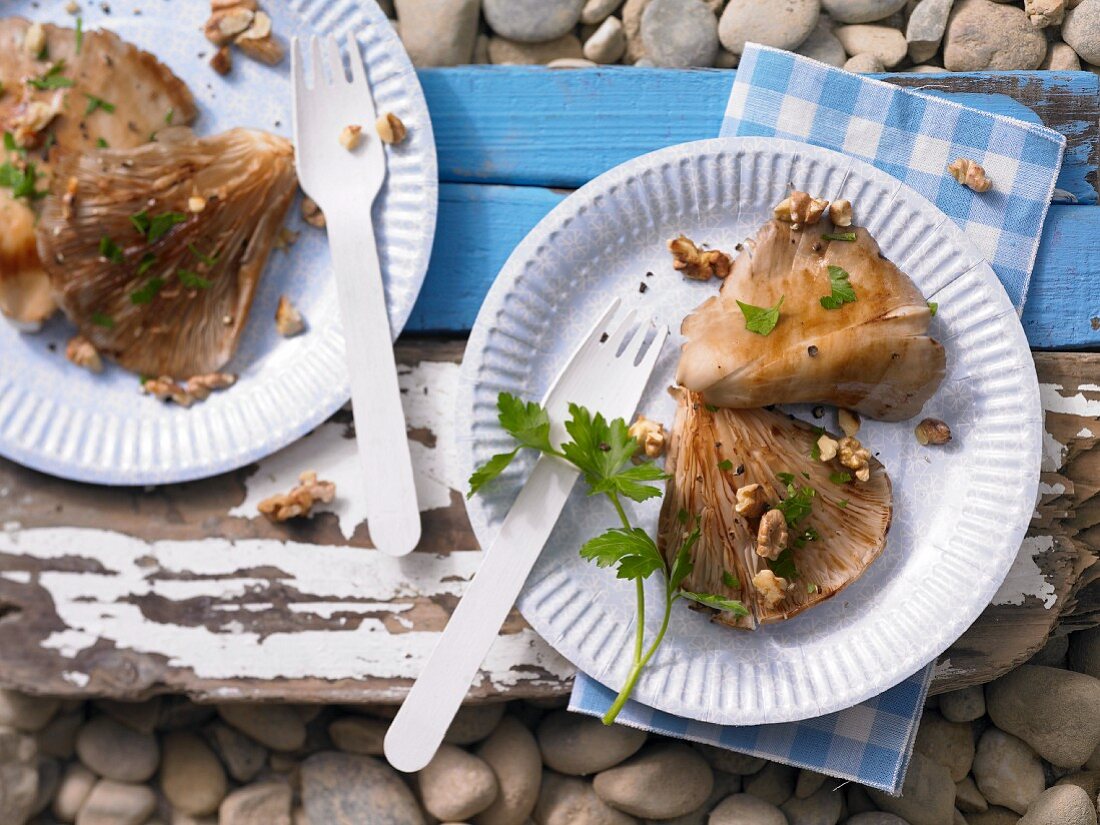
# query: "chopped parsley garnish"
[147,293]
[839,236]
[192,280]
[101,143]
[209,260]
[761,320]
[710,408]
[842,291]
[840,478]
[842,503]
[21,180]
[79,34]
[725,465]
[718,602]
[783,565]
[682,516]
[10,144]
[796,507]
[156,227]
[95,103]
[147,260]
[110,250]
[933,307]
[140,222]
[99,319]
[730,580]
[811,588]
[52,79]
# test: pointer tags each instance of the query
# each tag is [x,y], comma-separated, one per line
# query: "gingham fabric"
[913,137]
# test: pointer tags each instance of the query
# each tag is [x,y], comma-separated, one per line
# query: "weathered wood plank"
[479,226]
[128,592]
[537,127]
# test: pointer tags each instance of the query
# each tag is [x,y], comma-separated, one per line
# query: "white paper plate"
[960,511]
[67,422]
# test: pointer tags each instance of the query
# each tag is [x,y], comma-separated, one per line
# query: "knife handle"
[418,729]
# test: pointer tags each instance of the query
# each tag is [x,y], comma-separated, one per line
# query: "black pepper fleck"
[52,347]
[603,337]
[642,287]
[740,470]
[812,350]
[819,412]
[649,274]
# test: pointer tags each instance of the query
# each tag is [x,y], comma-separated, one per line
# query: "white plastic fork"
[344,184]
[607,373]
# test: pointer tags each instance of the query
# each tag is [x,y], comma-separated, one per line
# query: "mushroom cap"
[711,454]
[174,301]
[872,355]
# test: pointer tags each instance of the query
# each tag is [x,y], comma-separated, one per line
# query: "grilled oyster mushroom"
[158,254]
[714,453]
[872,354]
[47,108]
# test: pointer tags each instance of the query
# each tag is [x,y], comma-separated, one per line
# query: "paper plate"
[960,511]
[65,421]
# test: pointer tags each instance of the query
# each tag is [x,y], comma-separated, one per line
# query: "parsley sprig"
[603,450]
[52,79]
[841,290]
[761,320]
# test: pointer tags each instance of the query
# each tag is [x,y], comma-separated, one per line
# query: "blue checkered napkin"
[870,743]
[913,137]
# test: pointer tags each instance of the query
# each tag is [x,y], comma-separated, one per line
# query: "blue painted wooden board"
[479,226]
[541,127]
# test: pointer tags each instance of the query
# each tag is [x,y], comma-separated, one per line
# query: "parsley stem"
[639,663]
[639,629]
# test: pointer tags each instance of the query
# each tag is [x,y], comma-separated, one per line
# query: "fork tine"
[316,63]
[355,57]
[337,74]
[615,342]
[634,345]
[654,352]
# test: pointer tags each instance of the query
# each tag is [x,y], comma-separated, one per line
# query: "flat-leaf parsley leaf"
[761,320]
[842,291]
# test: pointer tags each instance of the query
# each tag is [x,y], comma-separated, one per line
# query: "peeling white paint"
[334,456]
[1054,454]
[1056,489]
[1054,400]
[1025,578]
[326,610]
[75,677]
[946,670]
[20,576]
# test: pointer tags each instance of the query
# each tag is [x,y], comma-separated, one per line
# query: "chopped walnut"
[288,320]
[81,352]
[351,136]
[772,587]
[196,203]
[199,387]
[849,421]
[970,174]
[68,200]
[300,500]
[840,212]
[698,264]
[222,5]
[650,436]
[932,431]
[34,41]
[799,209]
[259,29]
[222,61]
[312,214]
[72,7]
[196,388]
[390,128]
[285,238]
[31,118]
[827,447]
[165,389]
[266,49]
[226,23]
[855,457]
[751,501]
[771,537]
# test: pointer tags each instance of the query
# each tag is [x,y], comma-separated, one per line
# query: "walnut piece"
[390,128]
[222,61]
[225,24]
[196,388]
[771,536]
[650,436]
[772,587]
[288,320]
[265,49]
[840,212]
[799,209]
[849,421]
[351,136]
[827,447]
[259,29]
[932,431]
[970,174]
[72,7]
[698,264]
[34,40]
[31,118]
[199,387]
[68,200]
[312,214]
[285,238]
[751,501]
[855,457]
[196,203]
[300,500]
[80,351]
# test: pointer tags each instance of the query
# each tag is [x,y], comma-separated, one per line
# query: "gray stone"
[985,35]
[994,816]
[191,777]
[455,785]
[951,744]
[858,800]
[596,11]
[888,45]
[76,783]
[1061,805]
[571,63]
[141,716]
[679,33]
[358,734]
[49,780]
[608,43]
[823,45]
[1088,780]
[513,754]
[117,752]
[728,761]
[809,782]
[265,803]
[58,738]
[925,68]
[481,49]
[1084,649]
[347,789]
[18,775]
[927,797]
[1081,31]
[116,803]
[661,781]
[1057,712]
[632,28]
[963,705]
[1061,58]
[865,63]
[279,727]
[567,800]
[440,33]
[745,809]
[726,60]
[774,784]
[1007,771]
[25,712]
[1053,653]
[784,24]
[876,818]
[473,723]
[1044,13]
[243,757]
[532,21]
[861,11]
[926,26]
[574,744]
[179,712]
[968,798]
[823,807]
[511,52]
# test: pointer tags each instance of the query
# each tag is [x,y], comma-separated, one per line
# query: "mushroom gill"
[836,528]
[155,252]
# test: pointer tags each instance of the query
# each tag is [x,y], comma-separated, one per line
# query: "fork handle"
[393,515]
[421,723]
